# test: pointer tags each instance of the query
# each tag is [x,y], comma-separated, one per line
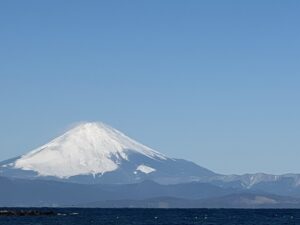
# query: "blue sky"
[210,81]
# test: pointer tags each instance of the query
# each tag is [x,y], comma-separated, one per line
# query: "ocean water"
[161,217]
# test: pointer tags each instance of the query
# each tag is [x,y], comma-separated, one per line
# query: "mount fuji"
[97,153]
[94,163]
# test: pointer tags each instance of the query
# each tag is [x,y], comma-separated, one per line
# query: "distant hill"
[243,200]
[40,193]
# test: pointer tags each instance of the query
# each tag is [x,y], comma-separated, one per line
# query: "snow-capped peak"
[89,148]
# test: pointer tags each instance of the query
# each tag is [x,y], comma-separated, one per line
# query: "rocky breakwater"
[23,212]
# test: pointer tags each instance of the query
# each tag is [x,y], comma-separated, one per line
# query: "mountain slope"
[98,153]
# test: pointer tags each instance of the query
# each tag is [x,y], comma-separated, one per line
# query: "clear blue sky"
[216,82]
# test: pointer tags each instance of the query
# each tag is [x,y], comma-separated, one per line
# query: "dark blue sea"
[161,217]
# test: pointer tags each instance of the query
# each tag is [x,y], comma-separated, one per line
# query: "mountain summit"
[102,154]
[90,148]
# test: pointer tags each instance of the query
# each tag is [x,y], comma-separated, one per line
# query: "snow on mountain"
[145,169]
[247,181]
[90,148]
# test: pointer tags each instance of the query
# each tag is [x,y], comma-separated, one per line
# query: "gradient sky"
[213,82]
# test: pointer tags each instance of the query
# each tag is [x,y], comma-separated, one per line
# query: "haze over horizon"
[177,77]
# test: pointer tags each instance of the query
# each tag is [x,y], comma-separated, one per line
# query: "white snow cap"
[89,148]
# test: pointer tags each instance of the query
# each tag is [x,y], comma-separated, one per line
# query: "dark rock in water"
[26,213]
